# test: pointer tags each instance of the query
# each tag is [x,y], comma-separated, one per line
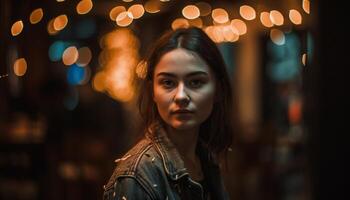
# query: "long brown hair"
[217,130]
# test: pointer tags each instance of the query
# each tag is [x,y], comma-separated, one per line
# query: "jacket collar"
[172,161]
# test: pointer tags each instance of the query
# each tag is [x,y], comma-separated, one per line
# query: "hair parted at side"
[217,130]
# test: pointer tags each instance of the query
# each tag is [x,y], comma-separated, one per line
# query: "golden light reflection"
[220,15]
[303,59]
[50,29]
[137,11]
[180,23]
[70,55]
[36,16]
[198,22]
[190,12]
[60,22]
[20,67]
[17,28]
[265,19]
[306,6]
[124,19]
[113,14]
[84,6]
[247,12]
[277,36]
[118,61]
[84,56]
[204,8]
[276,17]
[152,6]
[127,0]
[295,17]
[240,26]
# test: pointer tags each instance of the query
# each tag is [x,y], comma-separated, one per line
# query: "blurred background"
[67,96]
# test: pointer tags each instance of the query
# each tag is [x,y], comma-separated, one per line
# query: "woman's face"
[184,89]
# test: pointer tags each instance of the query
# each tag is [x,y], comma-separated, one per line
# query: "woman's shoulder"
[142,162]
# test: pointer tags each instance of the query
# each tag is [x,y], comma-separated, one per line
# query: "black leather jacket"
[153,169]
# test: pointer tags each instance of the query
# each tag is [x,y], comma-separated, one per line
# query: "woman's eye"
[196,83]
[168,83]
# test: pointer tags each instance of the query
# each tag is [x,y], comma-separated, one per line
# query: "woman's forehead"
[181,61]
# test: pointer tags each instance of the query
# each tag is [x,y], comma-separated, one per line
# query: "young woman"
[186,103]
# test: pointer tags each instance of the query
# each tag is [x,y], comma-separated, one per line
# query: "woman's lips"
[182,111]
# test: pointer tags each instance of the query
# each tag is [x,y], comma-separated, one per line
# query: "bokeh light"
[56,50]
[198,22]
[220,15]
[20,67]
[295,17]
[60,22]
[190,12]
[17,28]
[240,26]
[277,36]
[137,11]
[124,19]
[265,19]
[152,6]
[84,6]
[247,12]
[75,74]
[70,55]
[36,16]
[306,6]
[85,56]
[113,14]
[276,17]
[180,23]
[50,29]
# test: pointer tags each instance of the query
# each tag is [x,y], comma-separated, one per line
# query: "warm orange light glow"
[303,59]
[60,22]
[220,15]
[70,55]
[306,6]
[276,17]
[137,11]
[124,19]
[230,33]
[98,82]
[113,14]
[84,6]
[204,8]
[17,28]
[240,26]
[152,6]
[265,19]
[85,56]
[247,12]
[295,17]
[190,12]
[277,36]
[180,23]
[141,69]
[196,22]
[36,16]
[127,0]
[50,29]
[20,67]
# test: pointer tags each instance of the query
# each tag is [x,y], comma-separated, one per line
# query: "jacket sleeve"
[126,188]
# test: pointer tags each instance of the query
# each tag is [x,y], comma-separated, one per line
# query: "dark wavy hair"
[216,131]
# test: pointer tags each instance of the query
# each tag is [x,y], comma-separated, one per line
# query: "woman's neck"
[185,141]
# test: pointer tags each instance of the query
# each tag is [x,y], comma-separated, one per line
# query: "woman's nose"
[181,97]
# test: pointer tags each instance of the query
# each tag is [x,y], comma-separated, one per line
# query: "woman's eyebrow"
[196,73]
